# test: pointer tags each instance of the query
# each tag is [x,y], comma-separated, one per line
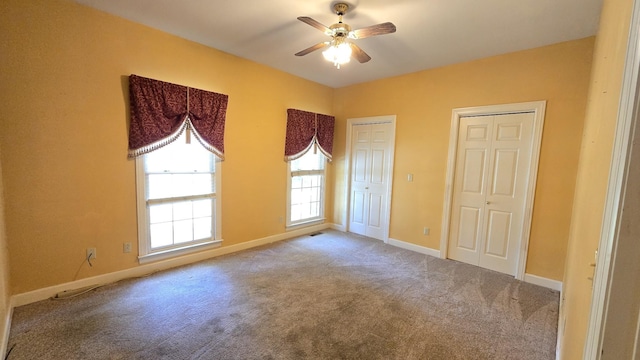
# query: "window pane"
[306,190]
[296,182]
[183,231]
[295,212]
[202,228]
[181,185]
[180,222]
[170,173]
[202,184]
[202,208]
[309,161]
[161,235]
[306,195]
[314,209]
[306,181]
[296,196]
[160,213]
[180,157]
[159,186]
[182,210]
[179,169]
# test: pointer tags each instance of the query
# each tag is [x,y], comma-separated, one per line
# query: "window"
[306,189]
[178,200]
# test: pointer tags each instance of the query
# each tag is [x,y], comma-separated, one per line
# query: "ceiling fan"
[340,50]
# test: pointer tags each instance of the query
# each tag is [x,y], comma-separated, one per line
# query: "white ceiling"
[430,33]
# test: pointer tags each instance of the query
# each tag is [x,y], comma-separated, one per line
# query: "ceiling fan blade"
[373,30]
[359,54]
[315,24]
[311,49]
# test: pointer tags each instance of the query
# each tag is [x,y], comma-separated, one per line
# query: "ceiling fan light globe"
[338,54]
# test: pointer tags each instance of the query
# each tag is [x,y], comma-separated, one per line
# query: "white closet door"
[370,166]
[493,157]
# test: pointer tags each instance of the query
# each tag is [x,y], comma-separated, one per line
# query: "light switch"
[409,177]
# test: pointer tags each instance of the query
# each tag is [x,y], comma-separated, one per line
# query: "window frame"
[323,190]
[145,252]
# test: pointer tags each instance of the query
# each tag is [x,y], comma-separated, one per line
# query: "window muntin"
[306,189]
[178,203]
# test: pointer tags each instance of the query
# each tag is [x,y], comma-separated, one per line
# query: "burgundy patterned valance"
[160,111]
[305,129]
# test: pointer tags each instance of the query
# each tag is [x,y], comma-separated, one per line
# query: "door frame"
[384,119]
[610,248]
[538,109]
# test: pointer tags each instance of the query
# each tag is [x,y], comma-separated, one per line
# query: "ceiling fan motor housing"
[340,29]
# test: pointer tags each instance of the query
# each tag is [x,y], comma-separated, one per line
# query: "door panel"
[375,211]
[477,132]
[505,172]
[510,160]
[358,206]
[490,183]
[380,136]
[371,159]
[473,171]
[377,166]
[498,228]
[468,202]
[359,169]
[508,132]
[469,228]
[360,165]
[363,136]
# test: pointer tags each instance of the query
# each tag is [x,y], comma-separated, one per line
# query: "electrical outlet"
[126,247]
[91,253]
[425,231]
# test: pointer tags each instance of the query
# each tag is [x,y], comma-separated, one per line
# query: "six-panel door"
[370,166]
[493,157]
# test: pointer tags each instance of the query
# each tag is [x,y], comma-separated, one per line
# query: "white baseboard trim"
[413,247]
[539,280]
[529,278]
[339,227]
[45,293]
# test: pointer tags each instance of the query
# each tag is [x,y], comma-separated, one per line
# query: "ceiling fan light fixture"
[338,53]
[339,50]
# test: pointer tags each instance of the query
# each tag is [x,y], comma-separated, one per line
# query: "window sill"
[305,224]
[172,253]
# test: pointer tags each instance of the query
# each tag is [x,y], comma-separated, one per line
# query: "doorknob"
[488,203]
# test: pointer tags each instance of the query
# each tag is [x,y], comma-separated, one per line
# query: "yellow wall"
[423,102]
[63,133]
[593,171]
[5,310]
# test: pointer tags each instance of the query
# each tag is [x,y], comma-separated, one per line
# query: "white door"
[370,166]
[490,186]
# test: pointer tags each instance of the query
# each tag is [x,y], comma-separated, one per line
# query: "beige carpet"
[330,296]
